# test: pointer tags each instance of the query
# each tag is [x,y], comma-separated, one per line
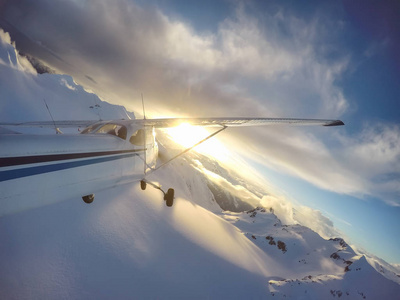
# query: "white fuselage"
[41,169]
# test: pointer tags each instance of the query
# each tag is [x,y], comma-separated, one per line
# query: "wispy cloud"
[127,48]
[291,214]
[374,155]
[365,164]
[315,220]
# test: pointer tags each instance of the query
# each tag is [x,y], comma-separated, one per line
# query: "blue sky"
[314,59]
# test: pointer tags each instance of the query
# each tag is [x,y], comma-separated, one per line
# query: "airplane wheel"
[143,185]
[88,198]
[169,197]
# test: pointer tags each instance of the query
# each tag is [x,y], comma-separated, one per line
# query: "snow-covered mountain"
[319,267]
[25,93]
[128,244]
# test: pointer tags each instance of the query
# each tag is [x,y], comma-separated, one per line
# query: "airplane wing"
[173,122]
[234,122]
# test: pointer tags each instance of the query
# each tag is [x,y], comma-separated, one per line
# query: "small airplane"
[103,155]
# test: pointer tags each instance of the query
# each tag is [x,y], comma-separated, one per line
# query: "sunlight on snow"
[220,237]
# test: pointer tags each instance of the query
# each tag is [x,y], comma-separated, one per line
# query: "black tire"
[88,198]
[169,197]
[143,185]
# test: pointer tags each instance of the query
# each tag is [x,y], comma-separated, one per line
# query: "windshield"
[91,128]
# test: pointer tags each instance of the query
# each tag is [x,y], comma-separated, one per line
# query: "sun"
[187,135]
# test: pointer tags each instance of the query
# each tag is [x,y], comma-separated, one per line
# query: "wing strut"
[145,145]
[190,148]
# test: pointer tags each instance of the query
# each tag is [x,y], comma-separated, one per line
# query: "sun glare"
[187,135]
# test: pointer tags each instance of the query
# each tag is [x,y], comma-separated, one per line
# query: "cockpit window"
[91,128]
[113,129]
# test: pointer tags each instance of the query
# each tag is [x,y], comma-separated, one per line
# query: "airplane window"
[90,128]
[122,132]
[114,129]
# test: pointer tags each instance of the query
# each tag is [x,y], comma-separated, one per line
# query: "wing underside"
[173,122]
[234,122]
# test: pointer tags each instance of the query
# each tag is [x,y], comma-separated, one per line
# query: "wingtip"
[335,123]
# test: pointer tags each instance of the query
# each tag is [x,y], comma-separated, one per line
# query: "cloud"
[283,209]
[315,220]
[375,149]
[374,154]
[364,164]
[290,214]
[301,153]
[164,57]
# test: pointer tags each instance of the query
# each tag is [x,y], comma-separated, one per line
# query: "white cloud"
[247,48]
[194,72]
[365,164]
[283,209]
[301,154]
[295,214]
[374,154]
[315,220]
[374,150]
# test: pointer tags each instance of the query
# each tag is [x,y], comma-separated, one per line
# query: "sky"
[319,59]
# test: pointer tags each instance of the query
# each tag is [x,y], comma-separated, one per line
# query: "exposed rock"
[282,246]
[335,256]
[40,67]
[341,242]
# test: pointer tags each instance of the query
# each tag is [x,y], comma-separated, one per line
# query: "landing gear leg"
[168,196]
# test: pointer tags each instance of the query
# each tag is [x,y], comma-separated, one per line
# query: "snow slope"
[23,93]
[129,245]
[320,269]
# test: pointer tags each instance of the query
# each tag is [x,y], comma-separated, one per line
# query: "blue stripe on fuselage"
[25,160]
[24,172]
